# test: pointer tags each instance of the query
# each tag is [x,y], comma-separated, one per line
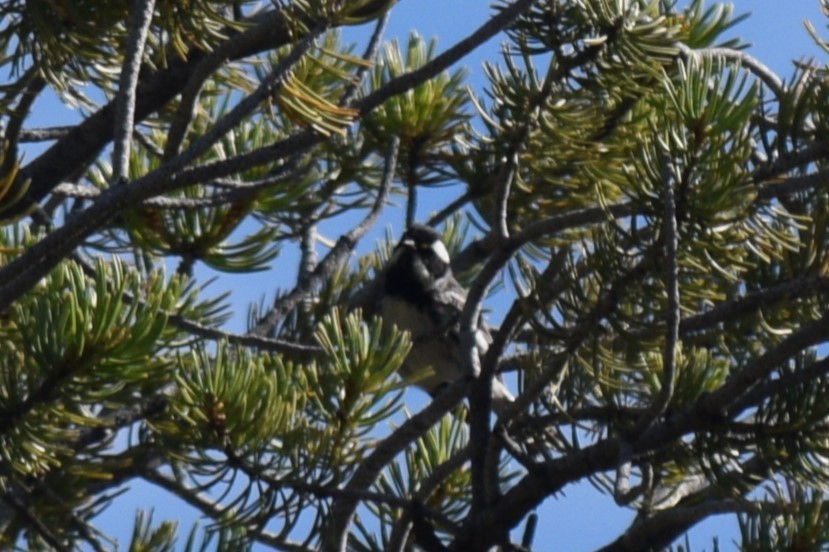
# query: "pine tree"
[647,200]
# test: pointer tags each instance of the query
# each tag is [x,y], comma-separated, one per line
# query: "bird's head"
[419,260]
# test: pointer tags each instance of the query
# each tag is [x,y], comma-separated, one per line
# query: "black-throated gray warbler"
[421,295]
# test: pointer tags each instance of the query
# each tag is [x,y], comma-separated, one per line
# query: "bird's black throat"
[401,281]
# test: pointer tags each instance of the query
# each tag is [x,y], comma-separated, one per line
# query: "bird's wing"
[448,302]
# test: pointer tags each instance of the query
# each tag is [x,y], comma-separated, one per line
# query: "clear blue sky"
[582,519]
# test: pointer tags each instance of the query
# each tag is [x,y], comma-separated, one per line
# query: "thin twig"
[670,244]
[481,249]
[234,191]
[142,16]
[322,491]
[370,53]
[210,508]
[292,350]
[265,24]
[148,144]
[778,386]
[792,185]
[733,309]
[447,211]
[754,65]
[338,253]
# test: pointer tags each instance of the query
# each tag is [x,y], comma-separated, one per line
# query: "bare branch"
[659,530]
[338,253]
[142,16]
[43,134]
[291,350]
[754,65]
[266,24]
[670,244]
[411,200]
[370,53]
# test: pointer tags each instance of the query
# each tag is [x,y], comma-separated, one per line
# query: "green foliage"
[64,358]
[312,95]
[81,41]
[219,393]
[428,119]
[351,390]
[655,196]
[147,539]
[801,525]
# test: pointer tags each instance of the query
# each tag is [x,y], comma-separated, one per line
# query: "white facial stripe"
[440,251]
[422,274]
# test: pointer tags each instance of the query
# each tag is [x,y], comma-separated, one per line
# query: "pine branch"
[335,536]
[211,509]
[707,414]
[22,273]
[670,244]
[142,16]
[344,246]
[34,521]
[401,529]
[82,143]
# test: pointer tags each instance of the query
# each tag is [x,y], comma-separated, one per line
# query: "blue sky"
[581,519]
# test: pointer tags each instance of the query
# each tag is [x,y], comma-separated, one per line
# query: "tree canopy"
[647,201]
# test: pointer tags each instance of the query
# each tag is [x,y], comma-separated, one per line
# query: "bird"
[421,295]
